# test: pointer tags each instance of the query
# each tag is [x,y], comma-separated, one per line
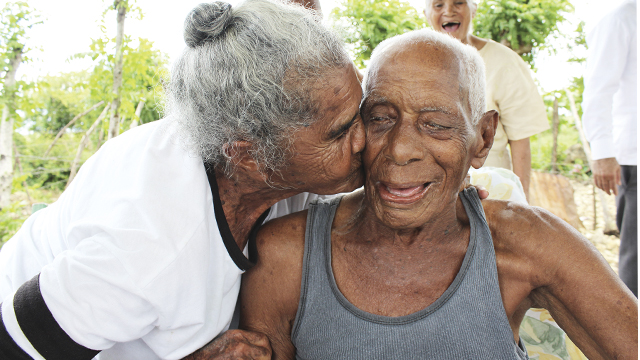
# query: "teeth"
[405,192]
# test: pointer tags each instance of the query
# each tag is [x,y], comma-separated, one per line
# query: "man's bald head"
[454,57]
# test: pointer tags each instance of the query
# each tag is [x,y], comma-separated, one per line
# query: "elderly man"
[141,257]
[392,272]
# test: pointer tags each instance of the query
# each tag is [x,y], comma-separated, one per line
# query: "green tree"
[17,19]
[56,99]
[522,25]
[366,23]
[143,73]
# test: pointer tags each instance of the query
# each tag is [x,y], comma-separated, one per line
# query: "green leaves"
[144,70]
[17,19]
[521,25]
[366,23]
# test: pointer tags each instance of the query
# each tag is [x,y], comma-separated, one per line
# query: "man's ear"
[486,127]
[240,154]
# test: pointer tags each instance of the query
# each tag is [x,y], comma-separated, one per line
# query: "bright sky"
[69,26]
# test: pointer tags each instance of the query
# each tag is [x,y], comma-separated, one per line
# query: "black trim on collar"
[8,347]
[41,328]
[253,247]
[233,249]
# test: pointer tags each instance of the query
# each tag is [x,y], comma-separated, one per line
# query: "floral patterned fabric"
[540,334]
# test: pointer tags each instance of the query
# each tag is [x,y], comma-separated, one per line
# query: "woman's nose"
[358,139]
[449,9]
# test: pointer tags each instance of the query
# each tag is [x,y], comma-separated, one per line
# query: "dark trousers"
[627,221]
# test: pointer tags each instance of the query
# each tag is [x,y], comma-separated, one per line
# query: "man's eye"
[434,126]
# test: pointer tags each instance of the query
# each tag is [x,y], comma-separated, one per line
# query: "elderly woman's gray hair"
[247,75]
[472,77]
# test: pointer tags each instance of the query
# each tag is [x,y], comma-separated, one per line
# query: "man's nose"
[404,147]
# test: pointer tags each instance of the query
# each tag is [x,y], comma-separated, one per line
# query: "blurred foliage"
[366,23]
[56,99]
[144,72]
[12,217]
[522,25]
[17,19]
[46,105]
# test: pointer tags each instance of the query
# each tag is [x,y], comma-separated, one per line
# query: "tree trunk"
[114,130]
[136,119]
[83,144]
[6,130]
[19,166]
[61,132]
[554,149]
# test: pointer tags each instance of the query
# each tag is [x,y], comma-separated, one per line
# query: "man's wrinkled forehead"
[401,59]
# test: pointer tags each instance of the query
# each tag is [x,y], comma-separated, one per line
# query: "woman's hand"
[483,193]
[235,344]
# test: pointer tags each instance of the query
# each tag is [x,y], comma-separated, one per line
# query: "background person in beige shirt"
[510,88]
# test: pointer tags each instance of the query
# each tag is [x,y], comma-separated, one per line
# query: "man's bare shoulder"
[520,224]
[281,238]
[534,235]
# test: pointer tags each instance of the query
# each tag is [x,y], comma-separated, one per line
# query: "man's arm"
[545,262]
[608,48]
[271,290]
[521,160]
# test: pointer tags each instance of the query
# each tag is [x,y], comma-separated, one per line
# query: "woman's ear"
[486,127]
[426,17]
[239,152]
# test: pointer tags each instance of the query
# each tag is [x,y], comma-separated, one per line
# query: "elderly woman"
[394,272]
[510,88]
[141,257]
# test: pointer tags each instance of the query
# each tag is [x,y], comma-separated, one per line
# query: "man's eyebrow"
[439,109]
[337,132]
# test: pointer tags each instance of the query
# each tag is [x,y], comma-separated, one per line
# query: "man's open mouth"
[451,26]
[404,194]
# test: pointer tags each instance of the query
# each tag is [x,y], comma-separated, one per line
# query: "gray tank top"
[467,322]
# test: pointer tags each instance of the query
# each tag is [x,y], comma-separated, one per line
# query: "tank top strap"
[475,212]
[317,234]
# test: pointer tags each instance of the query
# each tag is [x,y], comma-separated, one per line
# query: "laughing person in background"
[394,272]
[510,88]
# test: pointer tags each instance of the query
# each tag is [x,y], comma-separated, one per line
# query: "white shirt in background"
[610,86]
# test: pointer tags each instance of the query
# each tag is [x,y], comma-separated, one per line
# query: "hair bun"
[205,22]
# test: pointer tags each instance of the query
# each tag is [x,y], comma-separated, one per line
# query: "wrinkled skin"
[325,159]
[326,156]
[398,245]
[235,344]
[418,139]
[454,17]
